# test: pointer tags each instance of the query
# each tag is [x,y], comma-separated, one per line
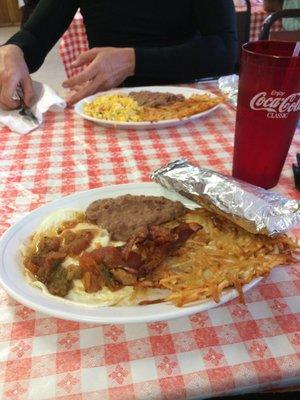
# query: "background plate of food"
[131,253]
[149,107]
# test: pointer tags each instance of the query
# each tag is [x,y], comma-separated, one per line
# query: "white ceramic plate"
[12,278]
[186,91]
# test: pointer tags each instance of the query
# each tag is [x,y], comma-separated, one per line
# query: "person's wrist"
[15,48]
[129,60]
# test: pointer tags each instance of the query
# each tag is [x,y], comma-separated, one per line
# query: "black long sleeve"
[39,34]
[211,51]
[174,40]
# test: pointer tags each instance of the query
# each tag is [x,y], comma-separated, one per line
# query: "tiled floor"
[52,71]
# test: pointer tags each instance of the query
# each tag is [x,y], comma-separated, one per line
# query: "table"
[74,40]
[232,348]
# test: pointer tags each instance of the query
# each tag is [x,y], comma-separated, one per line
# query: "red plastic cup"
[267,112]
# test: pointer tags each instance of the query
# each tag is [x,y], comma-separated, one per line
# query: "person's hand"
[14,72]
[107,67]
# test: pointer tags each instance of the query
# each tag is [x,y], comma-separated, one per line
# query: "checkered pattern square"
[231,347]
[73,42]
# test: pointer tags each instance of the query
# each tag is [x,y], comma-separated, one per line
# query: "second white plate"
[186,91]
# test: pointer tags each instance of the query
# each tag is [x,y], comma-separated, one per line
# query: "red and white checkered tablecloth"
[74,41]
[232,348]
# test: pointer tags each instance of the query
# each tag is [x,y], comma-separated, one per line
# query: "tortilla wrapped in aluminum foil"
[229,86]
[253,208]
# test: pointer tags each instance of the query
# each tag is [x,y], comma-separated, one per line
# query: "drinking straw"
[296,50]
[293,63]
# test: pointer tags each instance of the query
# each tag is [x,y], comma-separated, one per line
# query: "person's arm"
[45,26]
[27,9]
[212,51]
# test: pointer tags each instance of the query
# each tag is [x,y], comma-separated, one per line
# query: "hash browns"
[180,109]
[218,256]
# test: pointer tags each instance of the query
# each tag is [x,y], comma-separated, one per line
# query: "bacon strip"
[142,253]
[163,248]
[137,238]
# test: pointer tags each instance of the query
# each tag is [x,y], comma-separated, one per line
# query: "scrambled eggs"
[114,107]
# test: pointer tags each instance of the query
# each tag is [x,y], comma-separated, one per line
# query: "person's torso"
[137,22]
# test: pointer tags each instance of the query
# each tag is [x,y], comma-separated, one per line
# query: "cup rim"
[262,54]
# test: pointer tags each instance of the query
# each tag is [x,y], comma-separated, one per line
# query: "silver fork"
[24,110]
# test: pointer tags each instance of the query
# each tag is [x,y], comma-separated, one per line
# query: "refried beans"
[155,99]
[124,215]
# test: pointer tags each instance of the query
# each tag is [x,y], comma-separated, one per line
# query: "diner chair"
[282,35]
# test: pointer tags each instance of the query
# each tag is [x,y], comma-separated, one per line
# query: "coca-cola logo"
[277,104]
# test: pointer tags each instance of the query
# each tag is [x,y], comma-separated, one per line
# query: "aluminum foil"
[228,85]
[255,209]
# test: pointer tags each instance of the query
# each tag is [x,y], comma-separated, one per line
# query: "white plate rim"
[145,124]
[52,306]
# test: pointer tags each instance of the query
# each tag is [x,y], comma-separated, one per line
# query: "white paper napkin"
[46,100]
